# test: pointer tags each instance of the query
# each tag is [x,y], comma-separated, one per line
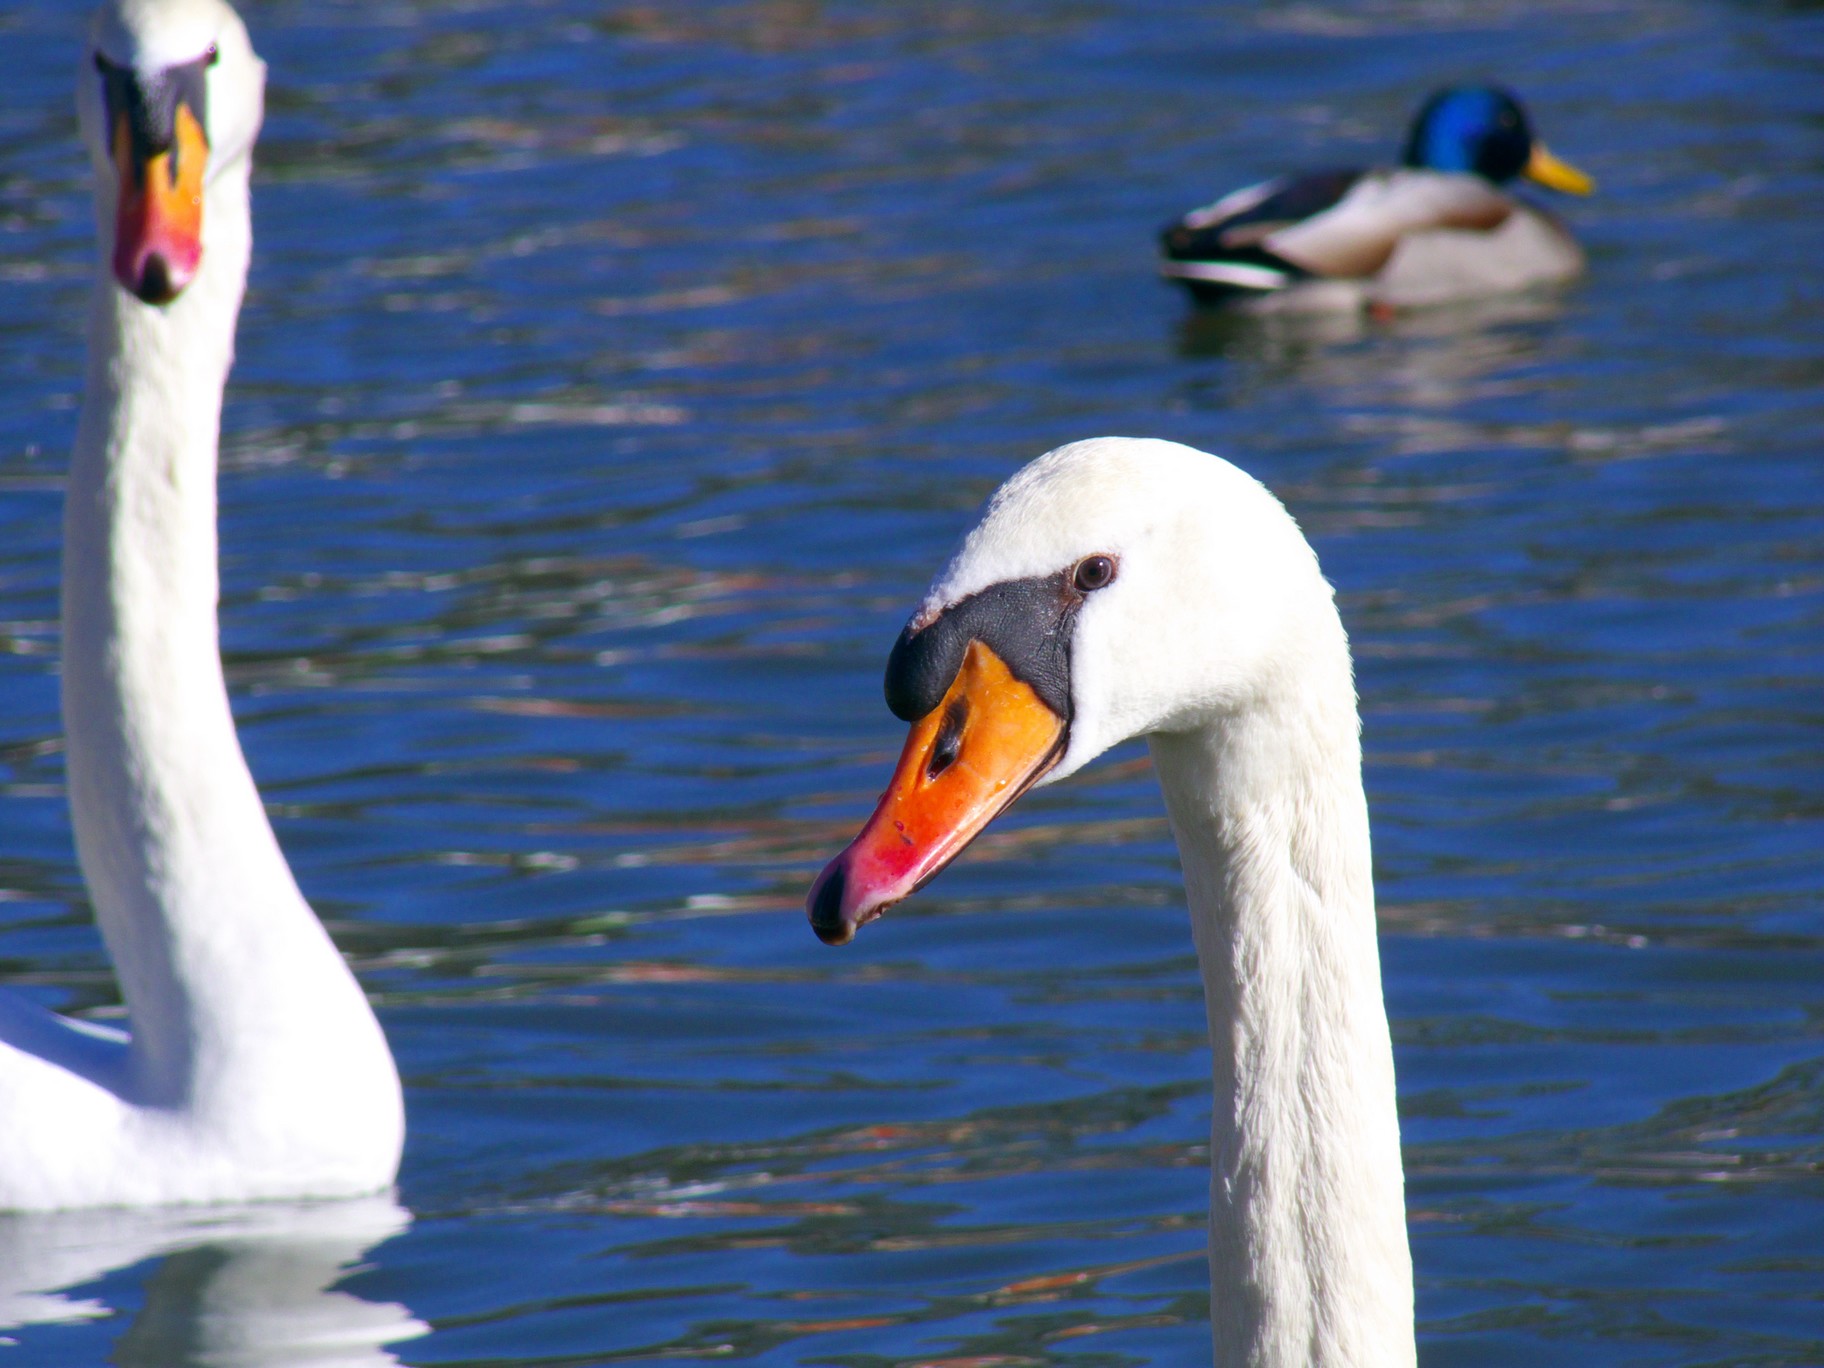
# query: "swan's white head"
[170,96]
[1113,588]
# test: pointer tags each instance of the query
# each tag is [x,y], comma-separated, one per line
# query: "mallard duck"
[1437,227]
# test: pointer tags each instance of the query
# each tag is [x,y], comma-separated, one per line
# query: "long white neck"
[1309,1262]
[234,991]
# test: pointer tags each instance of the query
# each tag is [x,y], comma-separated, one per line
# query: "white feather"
[1238,274]
[1445,265]
[1233,203]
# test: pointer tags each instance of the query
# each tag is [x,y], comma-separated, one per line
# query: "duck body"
[1439,228]
[1124,588]
[254,1067]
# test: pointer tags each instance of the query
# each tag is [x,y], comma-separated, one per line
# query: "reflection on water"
[611,381]
[240,1287]
[1405,374]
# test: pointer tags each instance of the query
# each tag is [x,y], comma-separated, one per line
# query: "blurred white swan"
[255,1067]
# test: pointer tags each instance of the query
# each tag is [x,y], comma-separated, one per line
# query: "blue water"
[611,380]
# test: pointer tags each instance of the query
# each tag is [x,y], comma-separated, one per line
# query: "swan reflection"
[236,1287]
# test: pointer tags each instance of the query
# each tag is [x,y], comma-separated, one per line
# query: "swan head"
[170,96]
[1114,588]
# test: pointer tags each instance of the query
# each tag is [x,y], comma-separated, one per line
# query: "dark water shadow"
[1417,379]
[1241,333]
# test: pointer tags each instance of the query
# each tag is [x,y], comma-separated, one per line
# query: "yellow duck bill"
[1548,170]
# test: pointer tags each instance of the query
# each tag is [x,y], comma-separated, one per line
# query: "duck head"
[1484,130]
[170,96]
[1114,588]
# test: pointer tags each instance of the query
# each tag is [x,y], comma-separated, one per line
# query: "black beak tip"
[825,906]
[155,281]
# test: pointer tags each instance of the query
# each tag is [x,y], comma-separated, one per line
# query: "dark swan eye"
[1094,572]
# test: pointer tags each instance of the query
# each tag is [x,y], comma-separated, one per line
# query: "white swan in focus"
[1120,588]
[255,1068]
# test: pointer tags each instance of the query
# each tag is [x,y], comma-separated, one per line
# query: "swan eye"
[1094,572]
[211,57]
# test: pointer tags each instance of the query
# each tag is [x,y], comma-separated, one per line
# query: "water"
[611,381]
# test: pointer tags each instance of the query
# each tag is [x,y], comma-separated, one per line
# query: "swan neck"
[1309,1261]
[200,913]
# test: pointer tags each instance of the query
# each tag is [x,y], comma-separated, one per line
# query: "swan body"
[1439,228]
[1119,588]
[254,1067]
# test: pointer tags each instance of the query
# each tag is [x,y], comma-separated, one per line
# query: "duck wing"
[1357,234]
[1228,243]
